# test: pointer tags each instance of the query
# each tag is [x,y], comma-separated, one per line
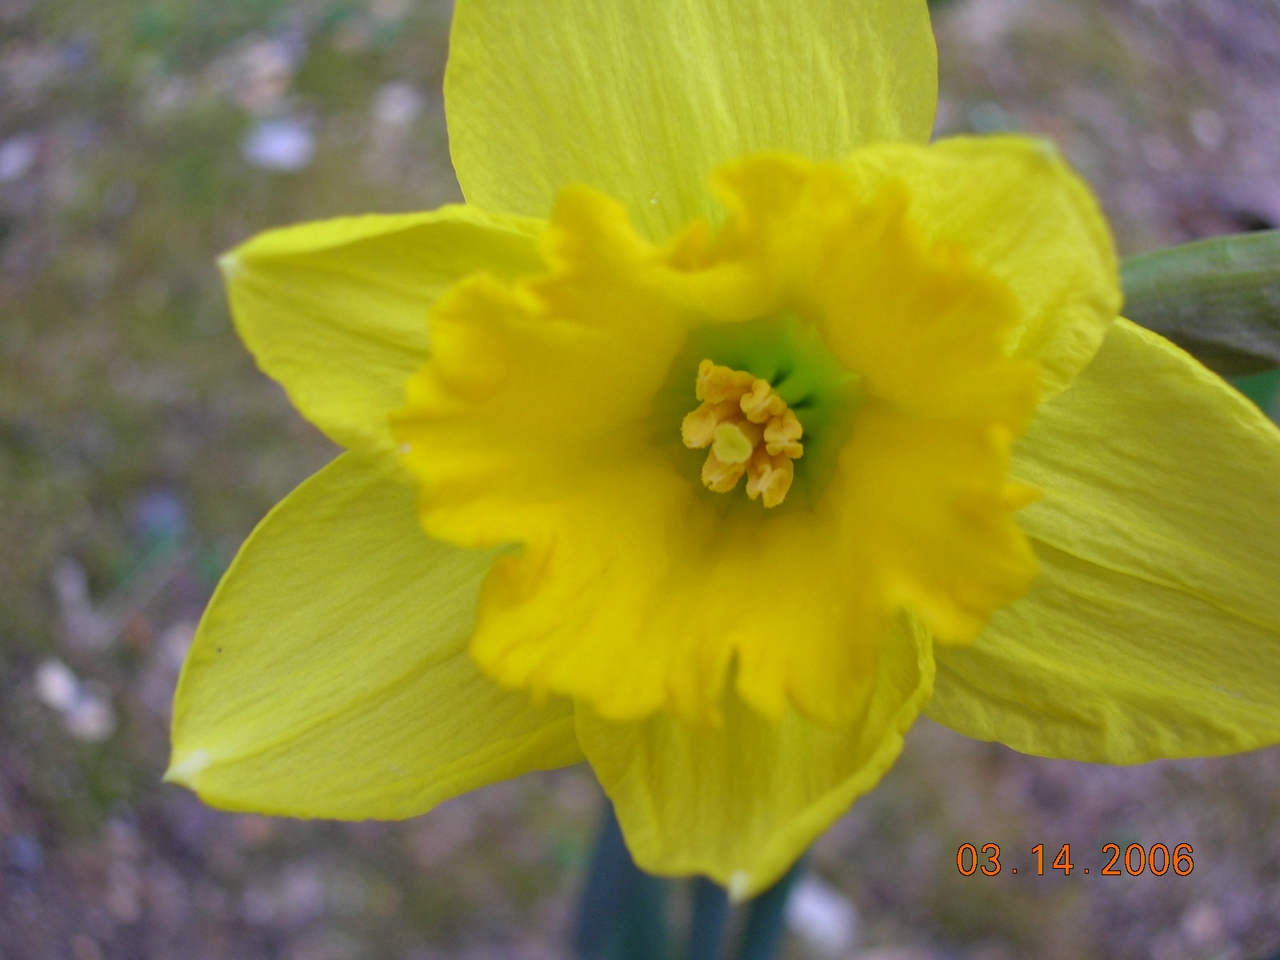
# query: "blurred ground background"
[138,446]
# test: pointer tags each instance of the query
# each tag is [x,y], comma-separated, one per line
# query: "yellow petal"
[336,311]
[643,98]
[1020,212]
[329,676]
[1154,629]
[740,802]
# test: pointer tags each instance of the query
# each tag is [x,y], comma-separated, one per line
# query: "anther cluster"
[749,428]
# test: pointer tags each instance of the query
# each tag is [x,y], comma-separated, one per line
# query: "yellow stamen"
[782,435]
[762,403]
[699,427]
[770,476]
[733,444]
[716,383]
[720,476]
[750,430]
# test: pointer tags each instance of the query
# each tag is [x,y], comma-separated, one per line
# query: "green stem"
[710,916]
[768,918]
[622,915]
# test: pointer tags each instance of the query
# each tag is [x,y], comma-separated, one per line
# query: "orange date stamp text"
[1135,860]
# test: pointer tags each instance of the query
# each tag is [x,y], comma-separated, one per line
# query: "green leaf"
[1218,299]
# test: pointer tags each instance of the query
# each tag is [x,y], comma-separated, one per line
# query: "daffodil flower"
[745,427]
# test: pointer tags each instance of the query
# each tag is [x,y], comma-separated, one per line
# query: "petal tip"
[230,265]
[185,767]
[739,886]
[1048,149]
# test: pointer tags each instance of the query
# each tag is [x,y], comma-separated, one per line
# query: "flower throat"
[770,393]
